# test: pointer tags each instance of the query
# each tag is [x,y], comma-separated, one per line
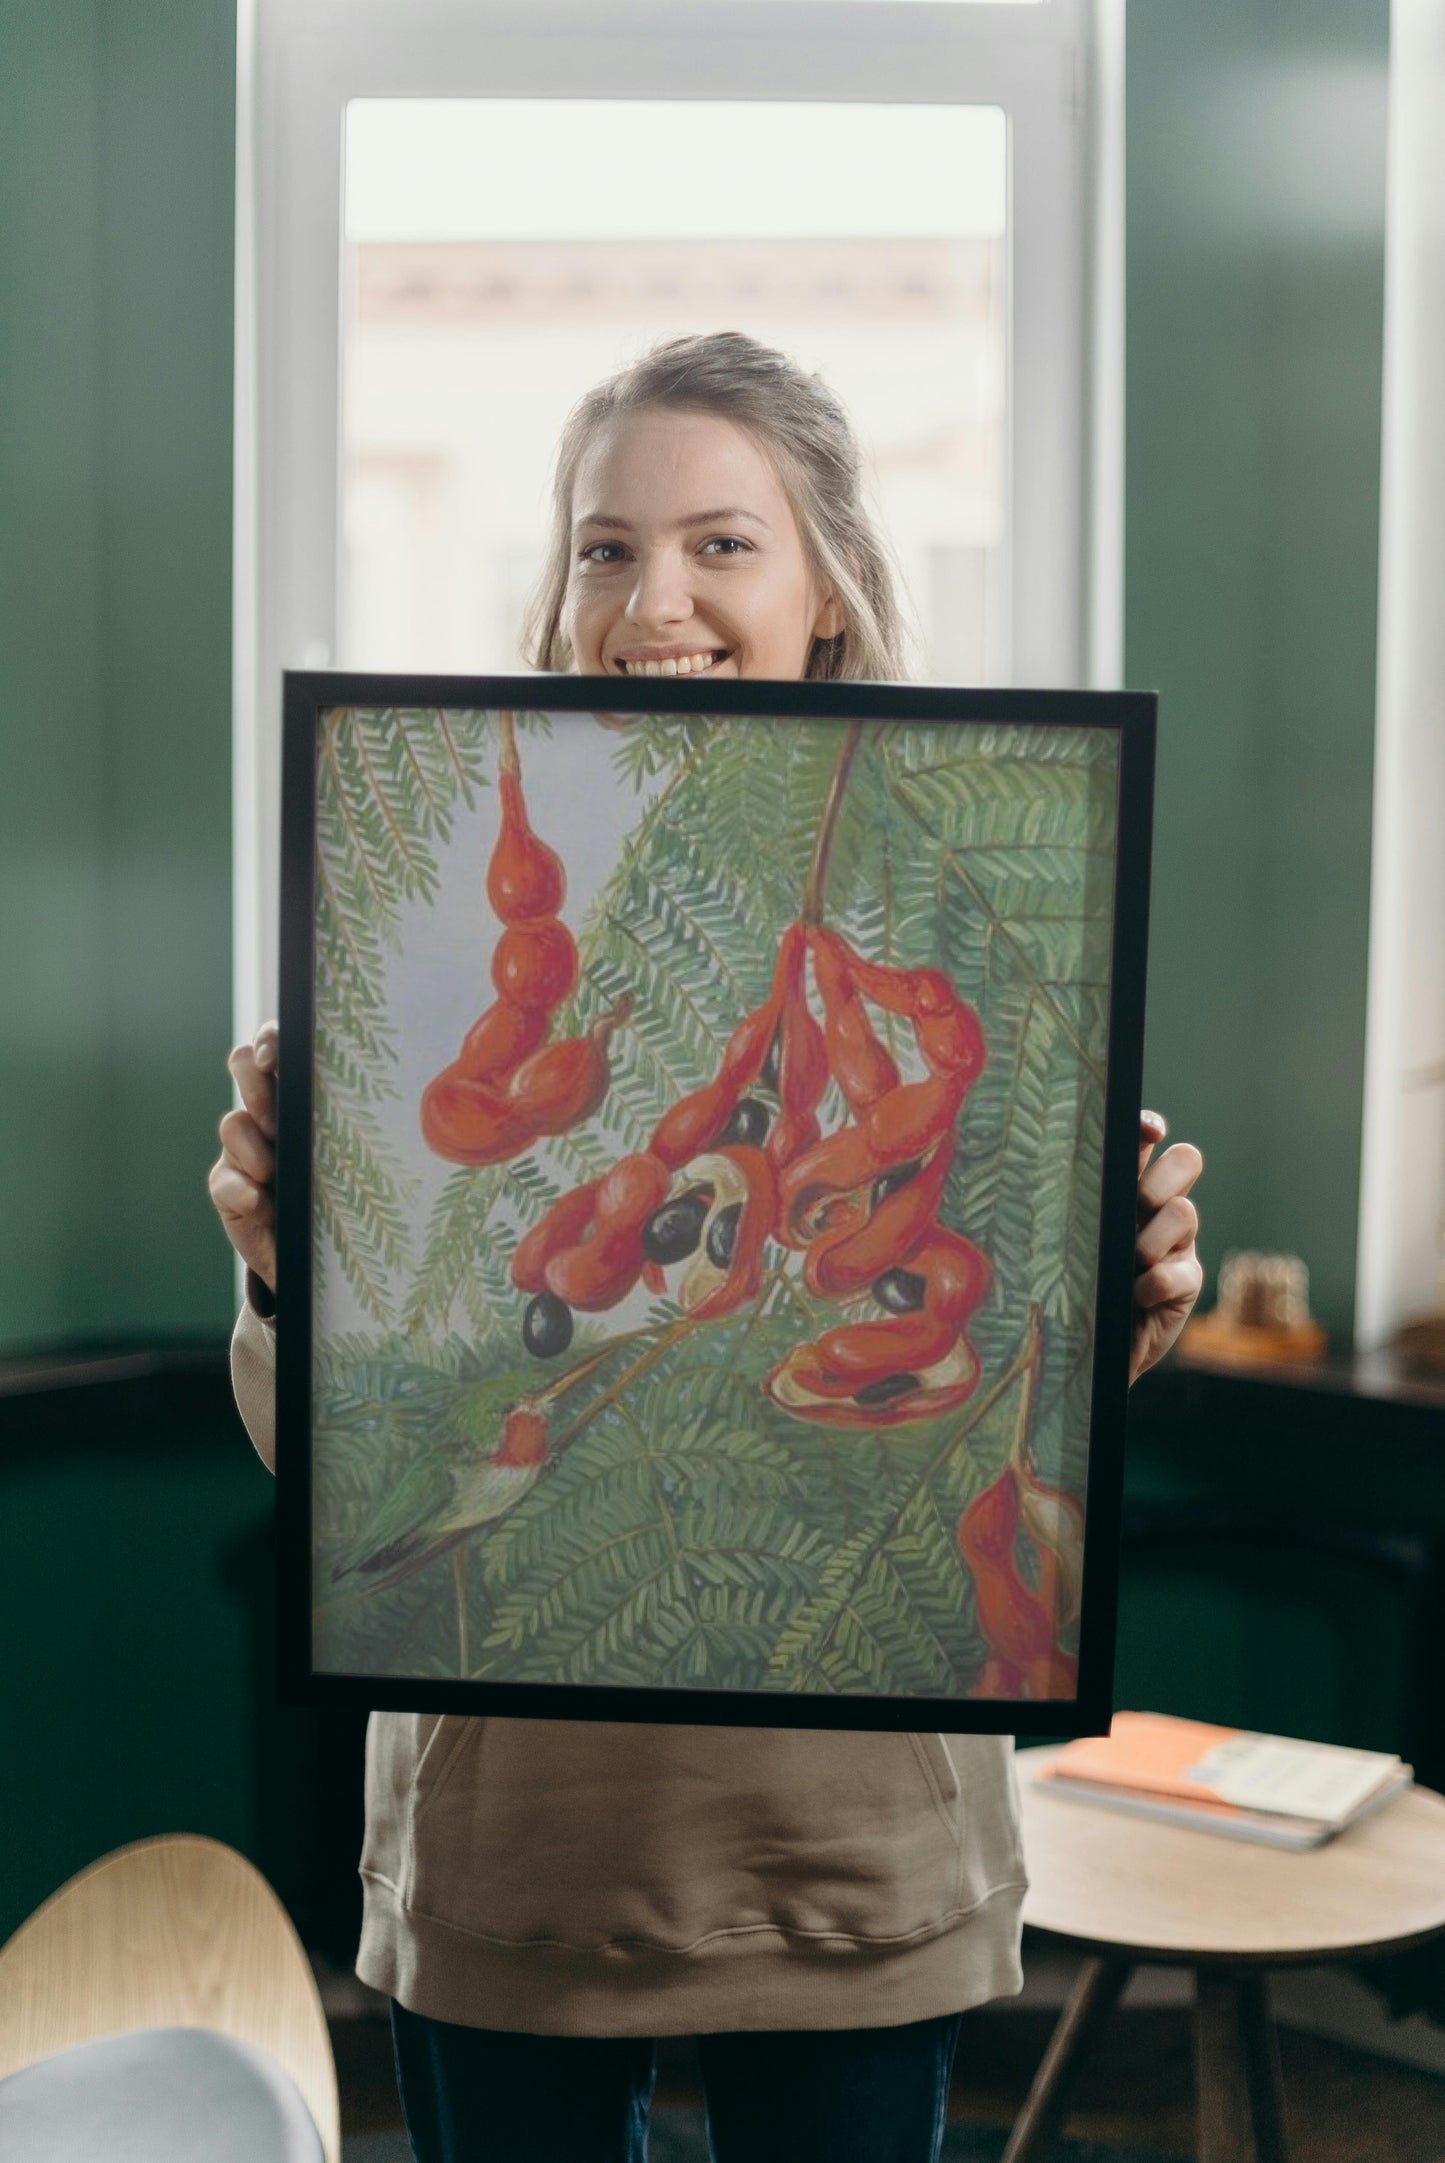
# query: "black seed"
[899,1290]
[547,1326]
[891,1385]
[674,1231]
[722,1235]
[749,1122]
[889,1182]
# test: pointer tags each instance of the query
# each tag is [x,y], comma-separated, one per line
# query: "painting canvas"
[706,1194]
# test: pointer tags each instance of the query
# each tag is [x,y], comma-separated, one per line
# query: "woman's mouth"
[679,664]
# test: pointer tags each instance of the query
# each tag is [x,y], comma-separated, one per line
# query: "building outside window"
[465,342]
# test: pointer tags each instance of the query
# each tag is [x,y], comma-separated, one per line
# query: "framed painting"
[706,1182]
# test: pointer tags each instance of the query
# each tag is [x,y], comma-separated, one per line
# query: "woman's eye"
[727,544]
[601,552]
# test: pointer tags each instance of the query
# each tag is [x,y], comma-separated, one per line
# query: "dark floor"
[1343,2105]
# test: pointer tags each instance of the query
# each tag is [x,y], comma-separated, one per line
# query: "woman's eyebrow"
[730,515]
[723,517]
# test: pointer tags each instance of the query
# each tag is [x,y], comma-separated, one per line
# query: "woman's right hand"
[242,1178]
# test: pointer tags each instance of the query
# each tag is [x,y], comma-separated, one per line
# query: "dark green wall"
[1284,1562]
[117,133]
[1256,164]
[130,1553]
[52,979]
[138,1696]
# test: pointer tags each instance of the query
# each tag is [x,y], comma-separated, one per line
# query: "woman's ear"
[830,619]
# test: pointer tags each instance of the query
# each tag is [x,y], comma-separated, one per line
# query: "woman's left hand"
[1168,1275]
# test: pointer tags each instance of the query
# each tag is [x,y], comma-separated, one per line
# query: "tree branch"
[827,826]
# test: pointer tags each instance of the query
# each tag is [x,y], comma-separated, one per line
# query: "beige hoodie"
[590,1878]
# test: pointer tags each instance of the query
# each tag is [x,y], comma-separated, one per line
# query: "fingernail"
[1157,1121]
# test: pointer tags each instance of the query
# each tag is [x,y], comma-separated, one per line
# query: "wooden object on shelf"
[1262,1317]
[1420,1342]
[1127,1891]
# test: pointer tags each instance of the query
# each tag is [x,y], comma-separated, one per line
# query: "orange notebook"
[1191,1762]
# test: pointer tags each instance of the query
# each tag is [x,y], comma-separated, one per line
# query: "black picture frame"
[308,696]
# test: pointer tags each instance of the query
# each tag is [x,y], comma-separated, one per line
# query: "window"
[473,318]
[449,213]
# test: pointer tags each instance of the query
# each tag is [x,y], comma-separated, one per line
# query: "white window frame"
[1402,1166]
[1056,69]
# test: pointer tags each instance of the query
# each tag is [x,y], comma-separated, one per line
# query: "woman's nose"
[661,595]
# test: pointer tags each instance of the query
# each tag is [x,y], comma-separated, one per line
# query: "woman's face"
[686,556]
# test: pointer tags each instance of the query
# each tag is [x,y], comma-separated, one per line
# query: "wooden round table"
[1125,1890]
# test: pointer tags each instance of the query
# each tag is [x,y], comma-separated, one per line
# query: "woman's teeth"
[686,664]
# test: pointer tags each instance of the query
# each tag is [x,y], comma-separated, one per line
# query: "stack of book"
[1269,1788]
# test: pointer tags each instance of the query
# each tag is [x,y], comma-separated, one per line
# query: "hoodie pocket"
[403,1749]
[670,1836]
[939,1775]
[452,1735]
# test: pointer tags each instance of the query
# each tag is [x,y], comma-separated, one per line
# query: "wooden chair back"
[176,1932]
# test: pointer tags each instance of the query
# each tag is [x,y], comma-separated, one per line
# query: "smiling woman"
[676,592]
[555,1892]
[644,578]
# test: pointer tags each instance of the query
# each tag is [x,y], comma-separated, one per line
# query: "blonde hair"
[804,428]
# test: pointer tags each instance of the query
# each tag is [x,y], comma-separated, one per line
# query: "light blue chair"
[159,2007]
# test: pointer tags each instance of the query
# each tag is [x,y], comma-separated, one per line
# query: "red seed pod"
[565,1083]
[692,1122]
[695,1121]
[525,878]
[945,1027]
[829,1187]
[500,1040]
[467,1122]
[564,1224]
[913,1364]
[606,1261]
[802,1064]
[535,965]
[804,1386]
[1017,1624]
[862,1067]
[911,1117]
[859,1236]
[999,1678]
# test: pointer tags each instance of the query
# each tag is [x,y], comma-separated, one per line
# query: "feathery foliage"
[685,1532]
[389,787]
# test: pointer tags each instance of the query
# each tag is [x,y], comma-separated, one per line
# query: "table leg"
[1095,1993]
[1241,2116]
[1261,2044]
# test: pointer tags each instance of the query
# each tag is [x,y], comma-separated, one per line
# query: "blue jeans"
[832,2095]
